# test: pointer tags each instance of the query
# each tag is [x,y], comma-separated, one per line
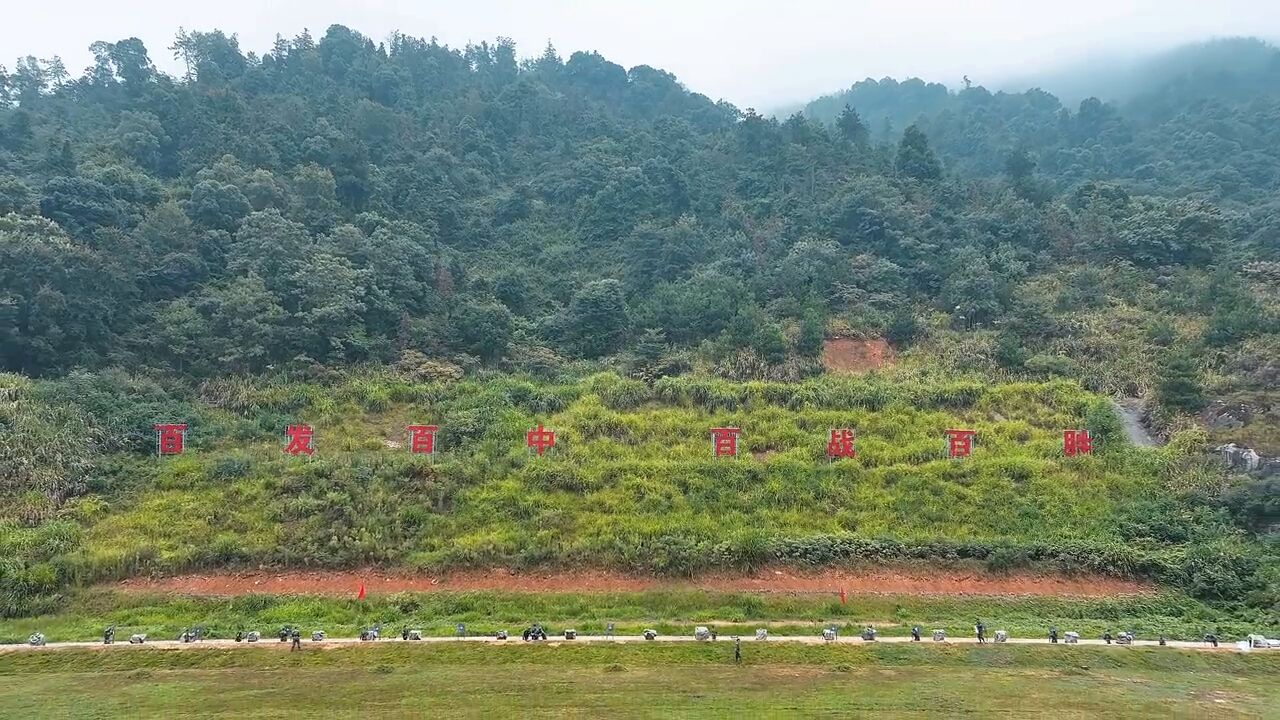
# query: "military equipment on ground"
[501,635]
[414,635]
[36,639]
[1261,642]
[1071,638]
[570,634]
[1002,636]
[649,634]
[868,633]
[317,635]
[252,636]
[939,635]
[829,633]
[137,639]
[371,634]
[701,633]
[534,633]
[762,634]
[1124,638]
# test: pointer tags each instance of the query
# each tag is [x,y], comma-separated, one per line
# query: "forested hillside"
[230,246]
[340,201]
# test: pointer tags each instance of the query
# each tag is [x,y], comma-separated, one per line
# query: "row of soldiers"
[294,636]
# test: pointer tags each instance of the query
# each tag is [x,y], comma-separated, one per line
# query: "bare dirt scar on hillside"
[348,582]
[849,355]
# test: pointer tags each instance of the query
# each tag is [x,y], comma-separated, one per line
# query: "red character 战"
[841,444]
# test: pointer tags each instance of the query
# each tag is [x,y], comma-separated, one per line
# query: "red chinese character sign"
[1076,442]
[959,443]
[540,439]
[724,441]
[299,440]
[171,438]
[841,444]
[422,439]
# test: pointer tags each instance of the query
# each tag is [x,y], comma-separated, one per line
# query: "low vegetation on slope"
[631,482]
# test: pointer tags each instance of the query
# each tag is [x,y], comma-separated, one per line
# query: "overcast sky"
[750,52]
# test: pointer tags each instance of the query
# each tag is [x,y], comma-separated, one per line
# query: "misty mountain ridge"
[1231,70]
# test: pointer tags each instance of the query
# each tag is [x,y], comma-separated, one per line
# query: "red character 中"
[299,440]
[1076,442]
[540,439]
[171,438]
[841,444]
[725,441]
[422,439]
[959,443]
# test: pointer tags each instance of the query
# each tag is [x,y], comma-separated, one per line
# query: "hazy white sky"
[750,52]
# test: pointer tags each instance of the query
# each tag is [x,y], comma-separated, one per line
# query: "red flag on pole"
[360,595]
[844,597]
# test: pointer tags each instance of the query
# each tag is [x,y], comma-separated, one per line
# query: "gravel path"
[1129,410]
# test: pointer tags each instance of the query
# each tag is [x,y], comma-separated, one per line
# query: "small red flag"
[844,597]
[360,595]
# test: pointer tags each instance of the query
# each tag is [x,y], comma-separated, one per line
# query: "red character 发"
[841,444]
[299,440]
[959,443]
[171,438]
[1076,442]
[725,441]
[540,439]
[422,438]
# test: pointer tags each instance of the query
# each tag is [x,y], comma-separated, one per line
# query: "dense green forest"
[340,201]
[335,207]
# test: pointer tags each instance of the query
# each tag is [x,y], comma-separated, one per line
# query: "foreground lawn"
[651,680]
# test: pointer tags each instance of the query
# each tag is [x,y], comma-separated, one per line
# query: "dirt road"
[780,580]
[269,645]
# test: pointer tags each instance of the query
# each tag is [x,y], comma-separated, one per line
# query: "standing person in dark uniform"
[981,630]
[915,633]
[296,640]
[1053,634]
[737,650]
[1107,637]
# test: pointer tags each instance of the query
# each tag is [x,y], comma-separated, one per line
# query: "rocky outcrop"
[1247,460]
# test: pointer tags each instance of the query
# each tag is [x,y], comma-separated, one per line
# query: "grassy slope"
[668,612]
[631,471]
[640,681]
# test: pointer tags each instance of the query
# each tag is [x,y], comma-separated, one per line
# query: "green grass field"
[669,612]
[640,680]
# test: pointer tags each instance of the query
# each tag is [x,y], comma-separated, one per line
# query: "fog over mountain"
[752,53]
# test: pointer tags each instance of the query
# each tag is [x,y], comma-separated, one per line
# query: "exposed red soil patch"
[848,355]
[347,583]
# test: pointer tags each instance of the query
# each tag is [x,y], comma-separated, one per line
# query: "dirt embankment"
[852,356]
[347,583]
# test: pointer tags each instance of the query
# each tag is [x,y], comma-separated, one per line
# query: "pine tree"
[915,158]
